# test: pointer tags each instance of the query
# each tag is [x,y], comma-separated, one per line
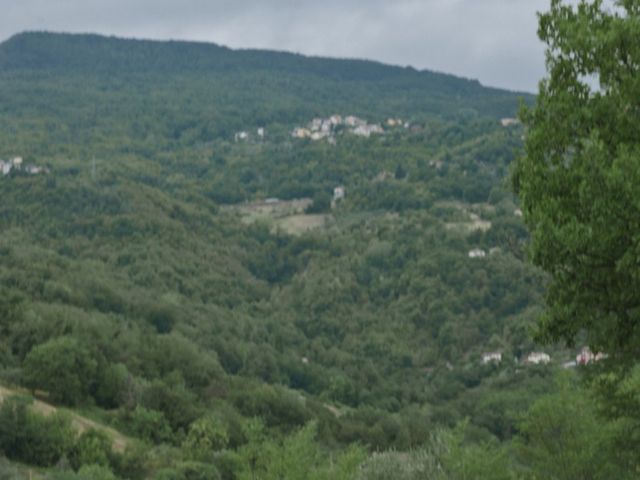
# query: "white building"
[326,126]
[394,122]
[477,253]
[34,169]
[491,357]
[338,193]
[5,167]
[261,132]
[301,133]
[508,122]
[241,136]
[316,124]
[318,135]
[352,121]
[367,130]
[537,358]
[586,356]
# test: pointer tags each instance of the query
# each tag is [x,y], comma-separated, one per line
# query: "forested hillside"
[239,302]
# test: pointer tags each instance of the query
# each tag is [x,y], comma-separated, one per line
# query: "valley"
[268,305]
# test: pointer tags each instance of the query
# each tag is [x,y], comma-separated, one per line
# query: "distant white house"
[319,135]
[477,253]
[367,130]
[335,119]
[537,358]
[586,356]
[517,212]
[241,136]
[261,132]
[5,167]
[35,170]
[338,193]
[13,164]
[316,124]
[301,133]
[491,357]
[353,121]
[508,122]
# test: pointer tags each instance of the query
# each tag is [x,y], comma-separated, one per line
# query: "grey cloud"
[492,40]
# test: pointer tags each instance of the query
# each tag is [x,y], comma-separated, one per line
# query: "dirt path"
[79,422]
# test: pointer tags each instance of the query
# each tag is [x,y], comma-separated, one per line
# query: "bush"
[63,367]
[32,438]
[189,471]
[93,447]
[149,425]
[206,436]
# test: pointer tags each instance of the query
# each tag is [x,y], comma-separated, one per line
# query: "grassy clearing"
[299,224]
[80,423]
[284,215]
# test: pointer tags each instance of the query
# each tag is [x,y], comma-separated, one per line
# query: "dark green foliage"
[92,447]
[63,367]
[149,425]
[562,438]
[578,177]
[157,294]
[190,471]
[321,203]
[29,437]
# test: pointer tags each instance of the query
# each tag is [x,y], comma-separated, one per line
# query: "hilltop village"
[328,128]
[331,127]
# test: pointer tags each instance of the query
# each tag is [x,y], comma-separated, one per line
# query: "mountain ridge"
[35,50]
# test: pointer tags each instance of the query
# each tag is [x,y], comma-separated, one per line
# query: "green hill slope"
[171,261]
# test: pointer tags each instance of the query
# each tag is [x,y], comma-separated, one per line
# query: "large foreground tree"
[579,179]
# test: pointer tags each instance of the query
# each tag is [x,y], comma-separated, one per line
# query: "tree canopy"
[579,179]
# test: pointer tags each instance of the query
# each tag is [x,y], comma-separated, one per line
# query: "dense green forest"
[180,301]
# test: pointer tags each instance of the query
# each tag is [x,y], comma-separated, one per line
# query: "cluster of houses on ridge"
[320,128]
[16,164]
[584,357]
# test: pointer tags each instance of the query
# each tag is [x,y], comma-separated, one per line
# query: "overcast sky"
[492,40]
